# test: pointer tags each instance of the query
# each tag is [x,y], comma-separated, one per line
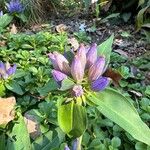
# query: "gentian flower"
[91,55]
[6,70]
[15,6]
[1,13]
[84,63]
[59,62]
[96,70]
[77,69]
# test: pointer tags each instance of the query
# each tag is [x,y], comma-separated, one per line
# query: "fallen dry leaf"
[61,28]
[13,29]
[32,126]
[74,43]
[7,110]
[2,43]
[114,75]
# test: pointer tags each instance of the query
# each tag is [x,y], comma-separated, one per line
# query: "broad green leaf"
[66,84]
[72,119]
[65,117]
[14,87]
[140,17]
[49,140]
[18,138]
[105,49]
[117,108]
[5,20]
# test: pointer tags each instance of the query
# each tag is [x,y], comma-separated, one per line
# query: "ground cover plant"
[61,90]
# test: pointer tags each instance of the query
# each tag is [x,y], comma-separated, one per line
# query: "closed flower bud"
[96,69]
[91,55]
[53,61]
[77,69]
[62,62]
[100,84]
[59,62]
[77,90]
[82,55]
[58,76]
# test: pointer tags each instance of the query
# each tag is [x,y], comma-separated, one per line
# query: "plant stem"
[79,140]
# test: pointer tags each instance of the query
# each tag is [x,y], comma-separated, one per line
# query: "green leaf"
[49,140]
[14,87]
[118,109]
[49,86]
[115,142]
[2,90]
[140,17]
[2,141]
[147,92]
[66,84]
[5,20]
[18,138]
[105,49]
[72,119]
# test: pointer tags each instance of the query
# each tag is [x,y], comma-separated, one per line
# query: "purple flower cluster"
[6,70]
[84,62]
[15,6]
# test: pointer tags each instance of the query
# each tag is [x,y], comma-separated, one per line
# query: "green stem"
[79,141]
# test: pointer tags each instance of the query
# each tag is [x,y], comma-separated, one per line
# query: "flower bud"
[58,76]
[96,69]
[82,55]
[91,55]
[59,62]
[77,90]
[77,69]
[100,84]
[53,61]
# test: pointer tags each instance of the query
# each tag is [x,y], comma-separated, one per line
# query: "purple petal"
[96,69]
[92,55]
[15,6]
[11,70]
[1,13]
[100,84]
[66,148]
[77,69]
[75,142]
[2,66]
[77,90]
[58,76]
[82,55]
